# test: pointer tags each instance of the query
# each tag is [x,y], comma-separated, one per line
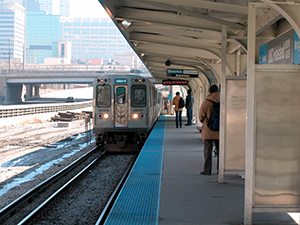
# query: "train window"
[138,96]
[103,96]
[121,92]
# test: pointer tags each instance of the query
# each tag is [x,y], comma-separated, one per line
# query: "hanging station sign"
[182,73]
[175,82]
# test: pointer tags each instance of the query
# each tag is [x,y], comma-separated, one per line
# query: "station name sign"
[182,73]
[175,82]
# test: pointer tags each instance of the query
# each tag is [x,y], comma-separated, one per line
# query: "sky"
[86,8]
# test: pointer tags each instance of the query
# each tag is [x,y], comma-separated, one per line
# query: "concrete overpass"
[11,85]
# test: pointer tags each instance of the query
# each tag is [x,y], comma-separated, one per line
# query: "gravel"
[31,153]
[83,202]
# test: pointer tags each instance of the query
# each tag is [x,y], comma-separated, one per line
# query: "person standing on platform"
[209,136]
[178,110]
[189,103]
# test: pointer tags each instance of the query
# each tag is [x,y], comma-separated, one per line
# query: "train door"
[121,105]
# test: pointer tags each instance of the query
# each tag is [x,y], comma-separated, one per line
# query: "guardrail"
[7,112]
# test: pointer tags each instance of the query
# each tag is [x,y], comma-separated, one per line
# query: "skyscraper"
[64,8]
[46,5]
[12,32]
[32,5]
[42,36]
[93,38]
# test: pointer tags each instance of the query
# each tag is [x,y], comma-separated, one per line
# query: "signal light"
[135,116]
[105,115]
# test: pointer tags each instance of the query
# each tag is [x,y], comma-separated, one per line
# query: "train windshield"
[121,92]
[103,96]
[138,93]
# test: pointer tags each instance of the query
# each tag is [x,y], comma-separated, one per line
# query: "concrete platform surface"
[188,198]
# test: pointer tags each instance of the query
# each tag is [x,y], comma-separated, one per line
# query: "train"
[125,108]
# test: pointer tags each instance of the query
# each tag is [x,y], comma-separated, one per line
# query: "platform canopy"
[176,34]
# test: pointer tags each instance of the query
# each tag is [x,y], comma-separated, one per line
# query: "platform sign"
[182,73]
[2,97]
[263,54]
[296,49]
[175,82]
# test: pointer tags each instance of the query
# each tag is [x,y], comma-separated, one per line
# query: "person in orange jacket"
[178,110]
[209,136]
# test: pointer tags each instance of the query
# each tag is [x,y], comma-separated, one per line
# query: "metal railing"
[7,112]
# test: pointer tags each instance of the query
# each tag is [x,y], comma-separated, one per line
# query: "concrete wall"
[10,93]
[13,93]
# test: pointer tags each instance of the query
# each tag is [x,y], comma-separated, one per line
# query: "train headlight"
[105,115]
[135,116]
[142,115]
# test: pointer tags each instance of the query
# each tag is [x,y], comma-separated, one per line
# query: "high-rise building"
[42,36]
[32,5]
[93,38]
[12,1]
[12,32]
[46,5]
[64,8]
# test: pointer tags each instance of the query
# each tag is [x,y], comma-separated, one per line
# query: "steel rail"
[112,199]
[48,200]
[31,193]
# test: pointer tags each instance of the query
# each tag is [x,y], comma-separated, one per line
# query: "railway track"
[36,201]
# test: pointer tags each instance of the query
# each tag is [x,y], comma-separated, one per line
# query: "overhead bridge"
[11,85]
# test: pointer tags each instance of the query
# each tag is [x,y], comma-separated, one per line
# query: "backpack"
[181,103]
[213,121]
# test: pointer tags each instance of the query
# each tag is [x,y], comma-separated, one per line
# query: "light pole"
[9,54]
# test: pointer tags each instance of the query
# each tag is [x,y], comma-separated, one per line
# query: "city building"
[12,32]
[64,8]
[46,5]
[12,1]
[65,50]
[128,59]
[32,5]
[42,36]
[93,38]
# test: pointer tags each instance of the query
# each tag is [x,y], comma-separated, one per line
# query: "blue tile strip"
[138,202]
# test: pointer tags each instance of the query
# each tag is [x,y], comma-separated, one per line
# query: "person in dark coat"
[189,103]
[207,134]
[178,110]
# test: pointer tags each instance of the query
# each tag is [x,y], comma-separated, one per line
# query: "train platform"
[166,188]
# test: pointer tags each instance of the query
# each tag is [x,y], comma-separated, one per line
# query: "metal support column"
[222,106]
[250,117]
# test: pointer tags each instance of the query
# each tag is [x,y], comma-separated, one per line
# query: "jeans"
[178,117]
[189,115]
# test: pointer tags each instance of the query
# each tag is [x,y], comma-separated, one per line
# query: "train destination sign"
[182,73]
[175,82]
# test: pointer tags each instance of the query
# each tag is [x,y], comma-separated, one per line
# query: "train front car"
[124,111]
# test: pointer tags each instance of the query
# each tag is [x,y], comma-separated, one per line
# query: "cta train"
[125,108]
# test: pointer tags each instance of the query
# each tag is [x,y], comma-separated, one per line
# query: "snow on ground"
[31,153]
